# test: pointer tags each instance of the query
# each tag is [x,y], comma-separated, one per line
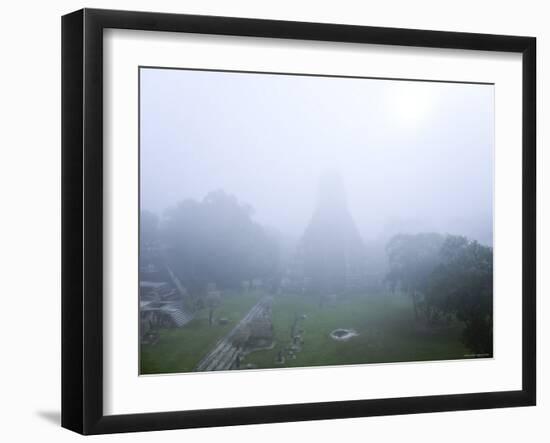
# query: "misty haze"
[292,220]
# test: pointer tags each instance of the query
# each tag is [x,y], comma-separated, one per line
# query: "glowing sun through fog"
[411,103]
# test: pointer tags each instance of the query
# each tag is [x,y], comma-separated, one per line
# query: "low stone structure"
[343,334]
[229,351]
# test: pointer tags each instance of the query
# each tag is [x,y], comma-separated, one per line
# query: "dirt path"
[224,353]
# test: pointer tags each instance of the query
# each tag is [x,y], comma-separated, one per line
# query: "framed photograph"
[269,221]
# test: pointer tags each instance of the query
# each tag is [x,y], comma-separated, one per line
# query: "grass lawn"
[386,326]
[180,349]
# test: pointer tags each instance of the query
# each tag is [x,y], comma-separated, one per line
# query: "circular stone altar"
[343,334]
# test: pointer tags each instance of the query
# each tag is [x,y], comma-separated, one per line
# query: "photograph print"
[306,220]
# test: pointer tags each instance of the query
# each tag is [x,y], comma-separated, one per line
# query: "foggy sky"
[414,156]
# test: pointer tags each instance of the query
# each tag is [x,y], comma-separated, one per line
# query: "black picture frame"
[82,218]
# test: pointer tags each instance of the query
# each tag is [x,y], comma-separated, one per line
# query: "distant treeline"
[214,240]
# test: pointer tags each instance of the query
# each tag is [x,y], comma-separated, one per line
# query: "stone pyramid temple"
[331,248]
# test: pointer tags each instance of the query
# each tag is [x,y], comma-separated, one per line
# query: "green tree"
[212,300]
[412,258]
[462,285]
[216,240]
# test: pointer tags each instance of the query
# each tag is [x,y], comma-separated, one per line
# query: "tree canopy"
[216,240]
[447,277]
[462,285]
